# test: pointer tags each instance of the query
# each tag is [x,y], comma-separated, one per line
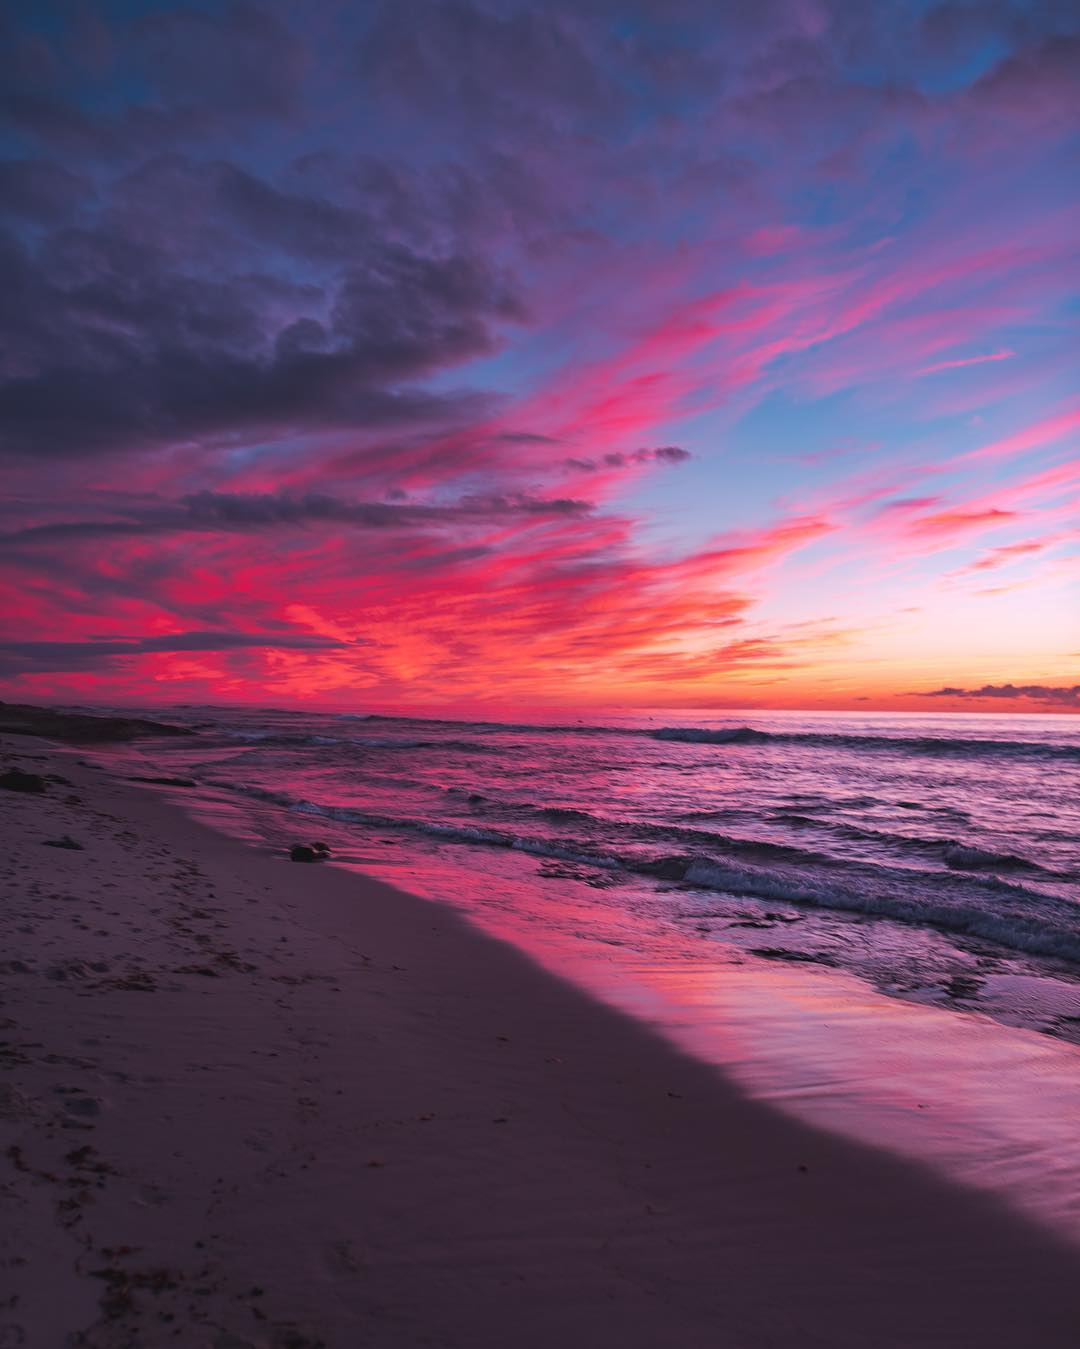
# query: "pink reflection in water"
[988,1104]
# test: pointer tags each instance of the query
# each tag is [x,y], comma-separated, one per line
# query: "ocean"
[873,922]
[937,856]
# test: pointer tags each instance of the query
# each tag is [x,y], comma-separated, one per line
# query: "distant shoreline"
[77,728]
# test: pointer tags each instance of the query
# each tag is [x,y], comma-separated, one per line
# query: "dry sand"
[254,1103]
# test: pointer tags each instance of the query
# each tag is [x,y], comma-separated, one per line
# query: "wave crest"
[923,744]
[996,910]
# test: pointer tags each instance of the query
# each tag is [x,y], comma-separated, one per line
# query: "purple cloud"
[1059,695]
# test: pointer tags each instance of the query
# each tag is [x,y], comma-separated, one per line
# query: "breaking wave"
[736,736]
[1008,914]
[289,740]
[923,744]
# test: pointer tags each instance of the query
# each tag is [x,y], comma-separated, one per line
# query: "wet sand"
[249,1102]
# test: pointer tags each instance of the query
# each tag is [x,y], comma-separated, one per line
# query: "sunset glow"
[477,356]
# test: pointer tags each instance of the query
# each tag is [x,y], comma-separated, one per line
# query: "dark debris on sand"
[15,780]
[308,852]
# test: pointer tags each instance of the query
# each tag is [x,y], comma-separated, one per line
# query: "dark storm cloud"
[664,454]
[466,61]
[157,295]
[40,191]
[306,226]
[232,512]
[1063,696]
[242,58]
[187,73]
[238,511]
[54,124]
[115,347]
[37,657]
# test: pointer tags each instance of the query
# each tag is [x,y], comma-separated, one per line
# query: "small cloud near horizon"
[1061,695]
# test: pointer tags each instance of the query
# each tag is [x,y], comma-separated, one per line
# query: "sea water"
[873,920]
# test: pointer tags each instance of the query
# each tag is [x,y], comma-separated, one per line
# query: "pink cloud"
[1046,431]
[965,361]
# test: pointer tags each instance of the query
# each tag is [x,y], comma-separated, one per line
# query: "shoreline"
[914,1072]
[402,1131]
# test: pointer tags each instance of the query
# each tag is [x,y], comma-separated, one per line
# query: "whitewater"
[937,857]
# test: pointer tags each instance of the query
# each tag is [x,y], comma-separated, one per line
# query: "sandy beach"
[251,1104]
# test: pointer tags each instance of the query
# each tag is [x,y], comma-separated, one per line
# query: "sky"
[480,354]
